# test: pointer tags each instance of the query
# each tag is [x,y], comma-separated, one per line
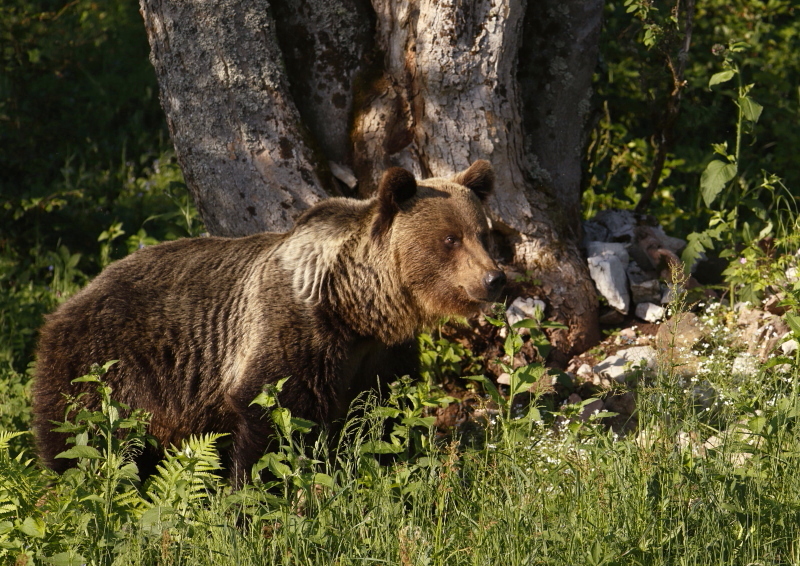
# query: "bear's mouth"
[478,300]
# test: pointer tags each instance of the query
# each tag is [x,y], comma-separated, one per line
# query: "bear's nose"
[493,282]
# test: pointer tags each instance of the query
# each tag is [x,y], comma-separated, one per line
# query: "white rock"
[523,308]
[504,379]
[594,232]
[649,312]
[620,223]
[609,276]
[607,249]
[585,369]
[789,347]
[618,366]
[601,381]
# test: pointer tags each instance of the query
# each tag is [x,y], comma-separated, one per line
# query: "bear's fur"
[199,326]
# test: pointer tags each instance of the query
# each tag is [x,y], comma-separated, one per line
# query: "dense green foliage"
[88,176]
[701,483]
[634,82]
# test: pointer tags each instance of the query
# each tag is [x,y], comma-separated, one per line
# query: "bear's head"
[439,236]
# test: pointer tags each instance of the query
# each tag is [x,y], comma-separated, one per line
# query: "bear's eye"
[451,241]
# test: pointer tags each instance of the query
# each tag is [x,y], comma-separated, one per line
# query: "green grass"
[701,481]
[691,486]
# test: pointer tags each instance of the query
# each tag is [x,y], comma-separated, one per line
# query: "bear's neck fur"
[341,272]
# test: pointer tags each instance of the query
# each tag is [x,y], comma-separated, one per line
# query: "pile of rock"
[626,258]
[677,346]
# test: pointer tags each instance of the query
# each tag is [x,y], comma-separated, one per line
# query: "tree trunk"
[430,85]
[237,132]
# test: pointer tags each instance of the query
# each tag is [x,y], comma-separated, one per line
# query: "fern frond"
[130,499]
[186,474]
[6,436]
[21,483]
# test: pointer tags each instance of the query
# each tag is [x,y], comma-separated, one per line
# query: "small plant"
[102,489]
[522,378]
[84,516]
[442,360]
[748,214]
[289,464]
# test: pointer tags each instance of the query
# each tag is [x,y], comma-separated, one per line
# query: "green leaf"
[107,366]
[696,244]
[282,418]
[721,149]
[751,110]
[268,397]
[512,344]
[794,323]
[494,321]
[273,462]
[302,426]
[756,424]
[86,379]
[33,527]
[525,377]
[323,479]
[156,518]
[776,361]
[721,77]
[387,412]
[554,324]
[714,179]
[419,421]
[541,343]
[380,447]
[81,452]
[602,414]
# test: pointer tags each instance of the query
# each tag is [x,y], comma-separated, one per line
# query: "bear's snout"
[493,282]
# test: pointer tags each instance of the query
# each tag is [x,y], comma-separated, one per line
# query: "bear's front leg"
[252,436]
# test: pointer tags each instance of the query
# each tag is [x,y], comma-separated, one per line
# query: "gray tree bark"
[260,114]
[237,133]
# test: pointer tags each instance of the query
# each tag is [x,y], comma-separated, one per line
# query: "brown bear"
[199,326]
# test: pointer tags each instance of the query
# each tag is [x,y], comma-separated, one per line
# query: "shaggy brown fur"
[199,326]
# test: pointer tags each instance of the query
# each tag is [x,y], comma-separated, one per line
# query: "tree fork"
[452,89]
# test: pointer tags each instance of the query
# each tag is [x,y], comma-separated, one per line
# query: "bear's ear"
[479,177]
[397,186]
